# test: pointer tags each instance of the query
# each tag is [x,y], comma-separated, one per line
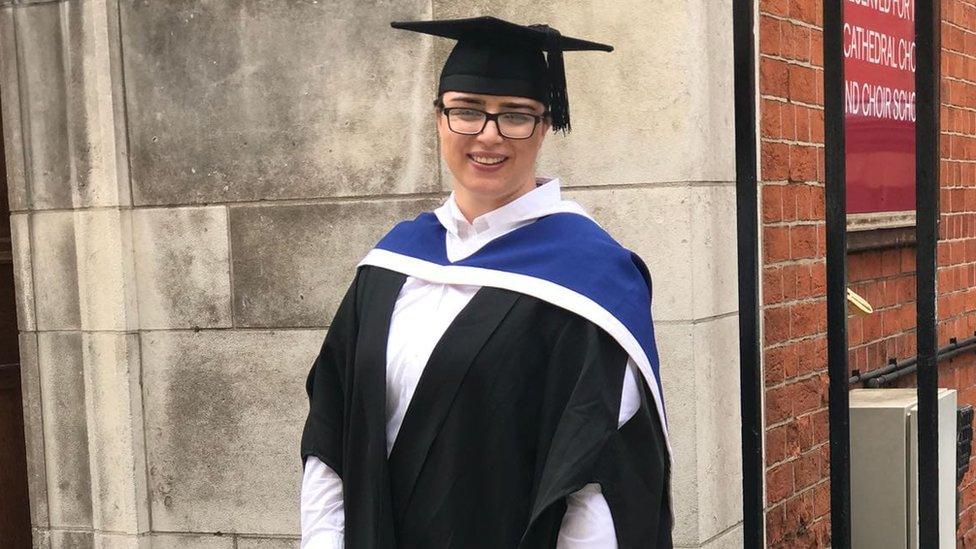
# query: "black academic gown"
[516,409]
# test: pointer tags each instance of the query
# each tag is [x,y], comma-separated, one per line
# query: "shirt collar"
[529,206]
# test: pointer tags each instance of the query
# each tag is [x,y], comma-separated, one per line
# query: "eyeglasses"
[513,125]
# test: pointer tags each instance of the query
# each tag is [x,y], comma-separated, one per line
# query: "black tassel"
[558,98]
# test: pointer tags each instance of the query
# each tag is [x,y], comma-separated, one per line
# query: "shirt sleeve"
[322,513]
[630,397]
[588,523]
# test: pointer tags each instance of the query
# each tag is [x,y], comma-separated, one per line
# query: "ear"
[438,108]
[438,118]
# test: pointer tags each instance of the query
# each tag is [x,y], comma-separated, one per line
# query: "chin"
[482,192]
[488,186]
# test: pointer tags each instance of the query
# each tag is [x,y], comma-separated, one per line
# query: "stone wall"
[192,183]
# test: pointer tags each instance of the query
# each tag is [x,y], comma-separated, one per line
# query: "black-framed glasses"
[513,125]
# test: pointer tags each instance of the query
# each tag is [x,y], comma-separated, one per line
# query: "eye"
[467,115]
[518,119]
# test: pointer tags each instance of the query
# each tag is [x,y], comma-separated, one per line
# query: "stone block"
[112,540]
[700,375]
[192,541]
[64,539]
[30,384]
[44,104]
[80,74]
[115,435]
[106,270]
[83,265]
[224,412]
[730,539]
[183,267]
[674,341]
[714,271]
[718,425]
[655,223]
[254,100]
[55,264]
[657,109]
[96,121]
[23,274]
[111,96]
[41,538]
[10,97]
[268,543]
[66,99]
[293,264]
[60,362]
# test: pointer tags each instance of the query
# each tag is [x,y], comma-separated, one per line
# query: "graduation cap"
[496,57]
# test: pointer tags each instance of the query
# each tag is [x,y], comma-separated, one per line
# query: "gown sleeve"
[588,522]
[590,446]
[323,433]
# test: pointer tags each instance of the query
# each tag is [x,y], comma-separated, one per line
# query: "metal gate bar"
[927,45]
[835,184]
[747,219]
[927,78]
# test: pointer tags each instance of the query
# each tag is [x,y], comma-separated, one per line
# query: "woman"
[490,378]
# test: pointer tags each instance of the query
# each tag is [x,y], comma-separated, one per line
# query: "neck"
[473,205]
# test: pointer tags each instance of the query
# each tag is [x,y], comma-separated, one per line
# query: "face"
[490,169]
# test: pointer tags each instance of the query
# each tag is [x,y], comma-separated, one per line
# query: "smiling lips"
[490,160]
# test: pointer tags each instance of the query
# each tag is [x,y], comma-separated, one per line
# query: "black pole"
[836,213]
[747,219]
[927,21]
[878,378]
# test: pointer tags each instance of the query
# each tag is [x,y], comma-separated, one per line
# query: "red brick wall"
[793,274]
[793,271]
[886,279]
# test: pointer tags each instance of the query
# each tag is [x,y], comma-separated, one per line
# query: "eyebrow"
[510,105]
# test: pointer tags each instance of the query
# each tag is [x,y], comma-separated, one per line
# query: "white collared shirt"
[421,315]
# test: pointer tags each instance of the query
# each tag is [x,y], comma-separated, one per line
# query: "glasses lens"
[467,121]
[516,125]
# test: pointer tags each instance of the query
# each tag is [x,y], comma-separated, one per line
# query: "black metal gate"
[927,79]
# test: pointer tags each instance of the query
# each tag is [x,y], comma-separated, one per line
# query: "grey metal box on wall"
[884,468]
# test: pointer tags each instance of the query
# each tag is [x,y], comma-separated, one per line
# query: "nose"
[490,134]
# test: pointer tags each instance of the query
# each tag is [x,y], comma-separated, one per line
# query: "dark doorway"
[14,506]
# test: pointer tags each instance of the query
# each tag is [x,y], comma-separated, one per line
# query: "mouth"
[487,160]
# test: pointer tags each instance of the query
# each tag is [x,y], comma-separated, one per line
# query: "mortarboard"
[497,57]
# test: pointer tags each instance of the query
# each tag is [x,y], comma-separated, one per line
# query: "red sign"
[879,106]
